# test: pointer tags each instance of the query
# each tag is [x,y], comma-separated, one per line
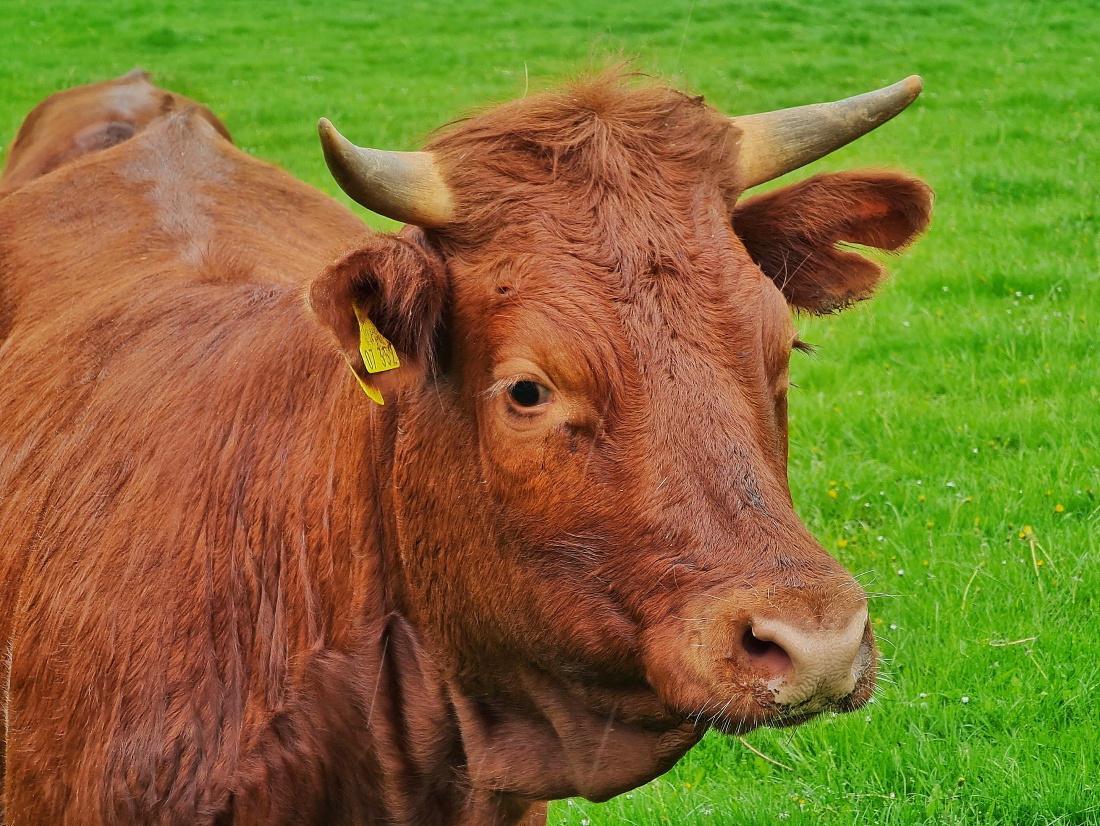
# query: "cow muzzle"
[814,668]
[737,661]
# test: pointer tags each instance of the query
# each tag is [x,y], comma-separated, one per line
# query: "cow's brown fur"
[232,589]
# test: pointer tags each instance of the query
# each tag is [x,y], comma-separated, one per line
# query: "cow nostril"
[766,653]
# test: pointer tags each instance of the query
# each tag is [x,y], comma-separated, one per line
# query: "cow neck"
[409,732]
[383,431]
[542,737]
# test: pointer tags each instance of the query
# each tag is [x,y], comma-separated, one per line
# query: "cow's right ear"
[383,301]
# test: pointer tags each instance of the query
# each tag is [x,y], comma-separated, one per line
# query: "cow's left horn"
[775,143]
[405,186]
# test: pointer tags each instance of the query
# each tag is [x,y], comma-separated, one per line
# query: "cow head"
[77,122]
[592,507]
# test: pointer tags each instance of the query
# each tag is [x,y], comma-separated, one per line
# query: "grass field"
[945,440]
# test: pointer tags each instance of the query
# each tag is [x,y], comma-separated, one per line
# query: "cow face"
[590,468]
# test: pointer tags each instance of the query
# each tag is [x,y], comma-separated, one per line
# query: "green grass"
[956,417]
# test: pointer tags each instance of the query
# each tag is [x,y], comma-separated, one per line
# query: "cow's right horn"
[405,186]
[775,143]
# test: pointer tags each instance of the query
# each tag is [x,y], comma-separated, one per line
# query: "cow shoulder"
[177,204]
[792,233]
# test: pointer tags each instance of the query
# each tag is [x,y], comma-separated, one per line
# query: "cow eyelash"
[499,387]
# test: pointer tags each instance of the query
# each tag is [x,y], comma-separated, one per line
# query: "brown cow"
[235,590]
[80,121]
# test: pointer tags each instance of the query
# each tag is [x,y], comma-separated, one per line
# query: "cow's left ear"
[792,233]
[383,301]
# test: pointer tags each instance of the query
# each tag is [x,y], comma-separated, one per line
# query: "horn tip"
[912,85]
[332,142]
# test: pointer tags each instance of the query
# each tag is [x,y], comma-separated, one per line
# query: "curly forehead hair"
[615,143]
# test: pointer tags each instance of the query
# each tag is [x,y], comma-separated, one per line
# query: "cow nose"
[809,666]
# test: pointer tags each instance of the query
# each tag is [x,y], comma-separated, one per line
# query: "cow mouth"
[770,715]
[753,705]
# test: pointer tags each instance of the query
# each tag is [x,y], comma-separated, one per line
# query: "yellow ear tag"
[371,392]
[377,352]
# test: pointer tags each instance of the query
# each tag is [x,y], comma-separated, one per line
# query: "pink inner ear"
[871,210]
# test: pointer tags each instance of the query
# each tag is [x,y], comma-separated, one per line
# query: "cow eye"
[529,393]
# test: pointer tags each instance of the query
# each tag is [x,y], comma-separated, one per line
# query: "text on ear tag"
[378,354]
